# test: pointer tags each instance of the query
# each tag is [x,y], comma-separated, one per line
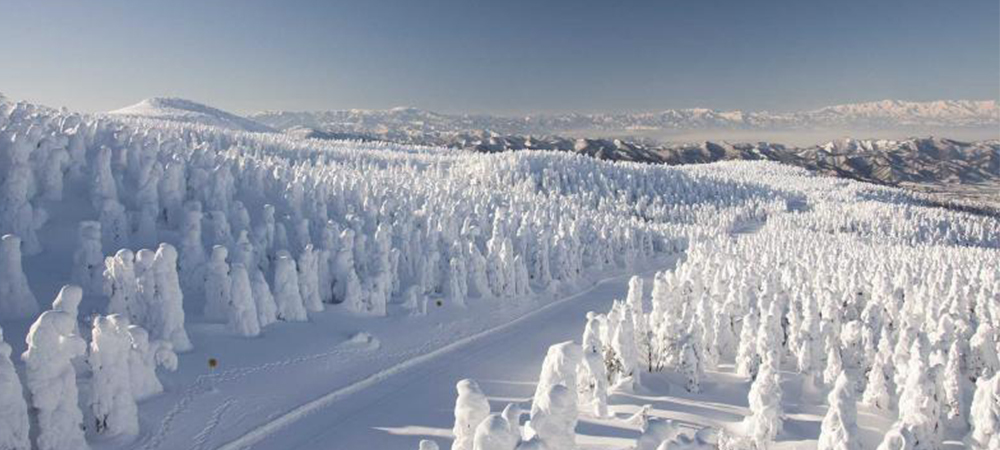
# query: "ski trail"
[268,428]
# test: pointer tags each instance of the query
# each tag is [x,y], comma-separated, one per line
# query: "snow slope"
[187,111]
[449,264]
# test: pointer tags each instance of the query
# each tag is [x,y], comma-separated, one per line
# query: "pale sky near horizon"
[501,57]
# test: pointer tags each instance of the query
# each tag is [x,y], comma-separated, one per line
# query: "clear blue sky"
[508,56]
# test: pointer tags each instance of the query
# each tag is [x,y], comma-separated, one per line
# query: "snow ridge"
[187,111]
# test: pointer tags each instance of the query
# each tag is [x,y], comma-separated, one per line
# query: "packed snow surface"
[288,292]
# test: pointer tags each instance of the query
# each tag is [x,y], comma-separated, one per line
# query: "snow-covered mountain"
[398,122]
[316,277]
[187,111]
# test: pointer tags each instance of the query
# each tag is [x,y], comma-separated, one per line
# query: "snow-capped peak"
[187,111]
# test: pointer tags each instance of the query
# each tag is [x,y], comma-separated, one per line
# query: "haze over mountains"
[887,114]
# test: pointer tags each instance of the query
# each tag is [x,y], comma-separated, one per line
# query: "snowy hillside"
[398,123]
[187,111]
[171,281]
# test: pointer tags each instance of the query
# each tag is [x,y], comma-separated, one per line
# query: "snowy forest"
[150,271]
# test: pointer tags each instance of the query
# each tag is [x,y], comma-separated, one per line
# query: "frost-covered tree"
[592,378]
[495,433]
[691,367]
[120,285]
[218,285]
[643,338]
[16,299]
[919,408]
[51,380]
[267,310]
[747,359]
[13,409]
[18,216]
[103,184]
[471,408]
[984,417]
[167,310]
[88,258]
[559,367]
[144,356]
[952,384]
[623,343]
[554,417]
[111,398]
[879,389]
[192,259]
[839,430]
[115,228]
[309,279]
[286,289]
[347,285]
[834,364]
[68,301]
[982,360]
[765,420]
[242,311]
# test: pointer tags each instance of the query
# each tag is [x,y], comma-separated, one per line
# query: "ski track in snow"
[266,429]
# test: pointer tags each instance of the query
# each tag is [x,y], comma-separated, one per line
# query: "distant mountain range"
[906,162]
[399,123]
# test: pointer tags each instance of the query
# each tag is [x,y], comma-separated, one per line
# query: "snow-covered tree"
[623,343]
[554,417]
[88,259]
[747,359]
[982,360]
[192,259]
[839,429]
[286,289]
[559,367]
[952,385]
[495,433]
[111,398]
[309,279]
[241,312]
[144,356]
[16,299]
[166,313]
[691,367]
[471,408]
[68,301]
[879,389]
[919,408]
[267,310]
[120,285]
[592,379]
[115,228]
[218,285]
[347,286]
[984,418]
[766,416]
[51,380]
[13,409]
